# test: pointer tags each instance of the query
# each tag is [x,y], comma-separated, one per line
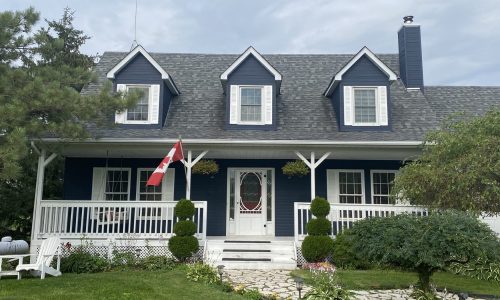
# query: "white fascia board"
[260,58]
[365,51]
[139,49]
[247,142]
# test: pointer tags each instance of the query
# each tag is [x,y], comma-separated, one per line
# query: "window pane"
[365,109]
[140,111]
[350,187]
[251,104]
[116,185]
[382,187]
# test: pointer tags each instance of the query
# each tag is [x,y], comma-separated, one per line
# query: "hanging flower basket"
[206,167]
[295,168]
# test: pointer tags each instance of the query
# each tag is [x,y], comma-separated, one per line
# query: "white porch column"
[189,165]
[43,161]
[313,164]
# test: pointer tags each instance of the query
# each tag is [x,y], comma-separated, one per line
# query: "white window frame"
[336,185]
[129,170]
[262,105]
[150,104]
[138,186]
[395,172]
[377,106]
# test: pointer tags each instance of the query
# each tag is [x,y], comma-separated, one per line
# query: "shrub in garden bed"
[344,256]
[183,245]
[82,261]
[154,263]
[200,272]
[318,245]
[325,285]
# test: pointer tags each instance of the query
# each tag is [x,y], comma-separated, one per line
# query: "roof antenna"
[135,43]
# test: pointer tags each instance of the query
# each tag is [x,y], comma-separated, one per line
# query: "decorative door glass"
[250,193]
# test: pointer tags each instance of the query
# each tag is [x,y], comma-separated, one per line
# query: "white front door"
[251,196]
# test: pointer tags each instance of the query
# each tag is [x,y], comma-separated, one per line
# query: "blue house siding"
[78,185]
[363,73]
[410,57]
[251,72]
[140,71]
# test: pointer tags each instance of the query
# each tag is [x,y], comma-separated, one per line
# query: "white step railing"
[113,219]
[342,216]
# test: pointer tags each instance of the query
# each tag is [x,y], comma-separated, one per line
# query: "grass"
[112,285]
[390,279]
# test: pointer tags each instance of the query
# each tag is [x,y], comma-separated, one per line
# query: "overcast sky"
[460,38]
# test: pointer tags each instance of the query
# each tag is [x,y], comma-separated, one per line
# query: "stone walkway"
[280,283]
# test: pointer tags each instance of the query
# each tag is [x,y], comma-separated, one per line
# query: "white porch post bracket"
[43,162]
[189,165]
[313,164]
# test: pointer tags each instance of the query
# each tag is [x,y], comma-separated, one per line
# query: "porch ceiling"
[247,149]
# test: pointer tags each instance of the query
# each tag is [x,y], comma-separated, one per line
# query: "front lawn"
[112,285]
[389,279]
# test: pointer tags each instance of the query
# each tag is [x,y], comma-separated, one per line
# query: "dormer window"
[147,109]
[251,104]
[141,111]
[365,106]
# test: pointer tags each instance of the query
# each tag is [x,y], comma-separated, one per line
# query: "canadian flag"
[173,155]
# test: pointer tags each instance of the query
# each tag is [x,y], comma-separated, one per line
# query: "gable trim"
[372,57]
[258,56]
[131,55]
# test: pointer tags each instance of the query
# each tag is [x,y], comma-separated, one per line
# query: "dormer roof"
[139,50]
[372,57]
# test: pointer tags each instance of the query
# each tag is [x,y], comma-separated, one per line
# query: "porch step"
[251,254]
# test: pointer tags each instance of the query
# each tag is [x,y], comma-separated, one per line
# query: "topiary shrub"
[316,248]
[185,228]
[320,208]
[184,209]
[183,245]
[318,245]
[319,226]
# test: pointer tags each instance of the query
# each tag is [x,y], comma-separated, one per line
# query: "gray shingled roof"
[303,112]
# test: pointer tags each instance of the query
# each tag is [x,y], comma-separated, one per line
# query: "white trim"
[241,142]
[231,223]
[335,198]
[262,60]
[395,172]
[381,118]
[365,51]
[106,169]
[353,106]
[139,49]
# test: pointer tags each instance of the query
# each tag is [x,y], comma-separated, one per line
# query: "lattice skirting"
[141,251]
[300,258]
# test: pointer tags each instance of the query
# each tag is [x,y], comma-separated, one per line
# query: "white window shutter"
[154,100]
[382,104]
[167,185]
[233,104]
[331,194]
[98,183]
[120,118]
[348,100]
[268,104]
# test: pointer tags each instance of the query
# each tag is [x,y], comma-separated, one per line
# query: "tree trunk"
[424,279]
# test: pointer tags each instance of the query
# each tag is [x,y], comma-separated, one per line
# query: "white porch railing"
[70,219]
[342,216]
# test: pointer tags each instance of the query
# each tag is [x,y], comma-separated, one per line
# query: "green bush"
[154,263]
[184,209]
[316,248]
[424,244]
[320,207]
[185,228]
[81,261]
[344,256]
[201,272]
[124,259]
[325,285]
[183,247]
[318,226]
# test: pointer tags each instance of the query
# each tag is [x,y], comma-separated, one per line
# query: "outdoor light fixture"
[220,270]
[299,282]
